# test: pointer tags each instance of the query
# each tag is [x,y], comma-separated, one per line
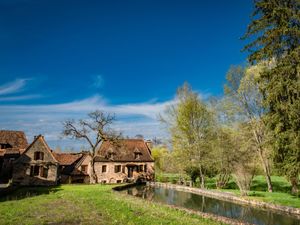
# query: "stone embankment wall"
[229,197]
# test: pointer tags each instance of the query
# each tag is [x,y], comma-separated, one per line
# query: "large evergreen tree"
[276,27]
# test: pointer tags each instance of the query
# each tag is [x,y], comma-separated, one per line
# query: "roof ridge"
[44,142]
[12,131]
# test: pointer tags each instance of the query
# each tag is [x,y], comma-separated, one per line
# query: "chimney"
[149,144]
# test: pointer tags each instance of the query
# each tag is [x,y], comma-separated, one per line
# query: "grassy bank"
[87,204]
[280,196]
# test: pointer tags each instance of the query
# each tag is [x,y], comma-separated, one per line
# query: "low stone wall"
[230,197]
[218,218]
[126,186]
[221,219]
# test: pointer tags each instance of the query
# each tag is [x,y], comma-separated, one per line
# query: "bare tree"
[139,136]
[247,104]
[94,130]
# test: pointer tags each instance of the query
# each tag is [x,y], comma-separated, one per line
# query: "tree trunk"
[264,162]
[222,180]
[266,169]
[202,178]
[94,174]
[294,182]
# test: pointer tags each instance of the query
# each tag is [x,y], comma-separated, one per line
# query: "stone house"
[73,167]
[39,165]
[36,165]
[12,144]
[128,160]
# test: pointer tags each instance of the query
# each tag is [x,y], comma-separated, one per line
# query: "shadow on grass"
[27,192]
[255,194]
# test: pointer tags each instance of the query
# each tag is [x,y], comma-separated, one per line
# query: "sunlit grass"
[87,204]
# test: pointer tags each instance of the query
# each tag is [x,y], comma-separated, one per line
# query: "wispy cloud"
[98,81]
[14,91]
[147,109]
[132,119]
[18,98]
[13,87]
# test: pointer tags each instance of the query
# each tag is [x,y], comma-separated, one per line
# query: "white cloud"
[9,90]
[12,87]
[132,119]
[147,109]
[18,98]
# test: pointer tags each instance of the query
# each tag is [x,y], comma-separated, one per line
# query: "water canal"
[250,214]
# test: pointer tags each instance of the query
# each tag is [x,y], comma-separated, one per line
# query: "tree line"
[255,127]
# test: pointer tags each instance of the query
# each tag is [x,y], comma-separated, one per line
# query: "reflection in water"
[211,205]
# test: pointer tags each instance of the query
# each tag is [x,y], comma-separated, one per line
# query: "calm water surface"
[210,205]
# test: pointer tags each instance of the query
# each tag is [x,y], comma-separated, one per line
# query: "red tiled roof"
[125,151]
[12,151]
[66,159]
[9,151]
[16,139]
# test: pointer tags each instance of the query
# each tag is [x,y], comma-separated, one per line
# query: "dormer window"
[110,154]
[5,146]
[39,156]
[137,154]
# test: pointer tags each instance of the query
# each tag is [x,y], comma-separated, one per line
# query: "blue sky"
[62,59]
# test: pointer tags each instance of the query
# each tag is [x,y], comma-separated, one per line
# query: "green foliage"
[191,127]
[174,178]
[277,25]
[159,155]
[193,172]
[246,106]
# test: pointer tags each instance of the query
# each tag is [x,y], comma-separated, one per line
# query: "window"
[5,145]
[145,168]
[44,172]
[110,156]
[103,181]
[137,155]
[104,168]
[38,156]
[34,171]
[119,181]
[117,168]
[84,168]
[31,170]
[123,169]
[141,168]
[38,171]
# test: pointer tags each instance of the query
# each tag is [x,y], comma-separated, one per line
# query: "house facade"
[73,167]
[128,160]
[39,165]
[36,165]
[12,144]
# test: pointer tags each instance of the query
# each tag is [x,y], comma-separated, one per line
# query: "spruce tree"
[275,27]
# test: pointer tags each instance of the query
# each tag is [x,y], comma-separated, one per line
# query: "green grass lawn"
[87,204]
[278,198]
[280,195]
